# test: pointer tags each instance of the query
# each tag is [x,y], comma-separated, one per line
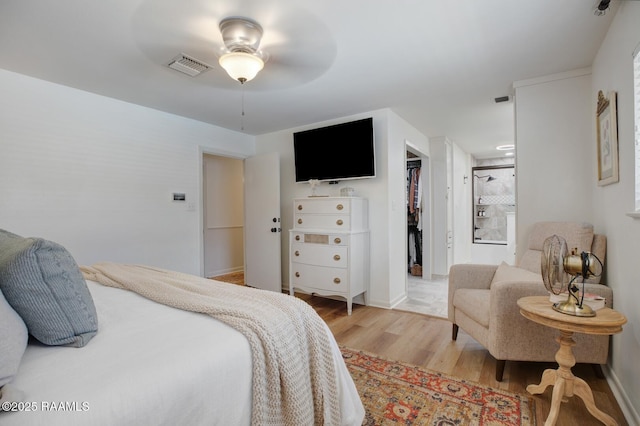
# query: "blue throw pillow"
[42,282]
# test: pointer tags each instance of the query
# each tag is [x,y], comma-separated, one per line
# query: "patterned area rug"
[395,393]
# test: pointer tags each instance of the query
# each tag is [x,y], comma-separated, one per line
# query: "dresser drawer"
[323,206]
[320,221]
[319,277]
[311,238]
[319,254]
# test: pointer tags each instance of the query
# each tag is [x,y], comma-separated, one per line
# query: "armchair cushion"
[507,272]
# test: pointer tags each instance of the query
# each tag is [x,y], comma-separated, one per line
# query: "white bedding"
[149,364]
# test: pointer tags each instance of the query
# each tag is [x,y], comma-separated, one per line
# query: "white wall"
[385,195]
[553,142]
[96,174]
[612,70]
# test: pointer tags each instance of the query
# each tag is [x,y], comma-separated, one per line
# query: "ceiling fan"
[241,57]
[294,44]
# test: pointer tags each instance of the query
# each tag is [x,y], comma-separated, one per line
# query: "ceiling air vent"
[188,65]
[501,99]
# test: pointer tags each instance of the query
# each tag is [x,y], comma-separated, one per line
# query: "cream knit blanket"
[294,375]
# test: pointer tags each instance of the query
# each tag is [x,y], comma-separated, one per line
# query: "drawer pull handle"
[337,241]
[297,274]
[297,253]
[336,280]
[299,221]
[339,222]
[339,207]
[297,237]
[336,257]
[299,206]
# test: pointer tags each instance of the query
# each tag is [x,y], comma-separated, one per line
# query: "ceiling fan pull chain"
[242,110]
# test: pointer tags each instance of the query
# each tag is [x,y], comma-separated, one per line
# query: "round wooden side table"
[565,384]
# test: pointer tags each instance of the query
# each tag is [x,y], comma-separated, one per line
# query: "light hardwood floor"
[426,341]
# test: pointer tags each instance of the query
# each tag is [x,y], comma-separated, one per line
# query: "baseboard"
[398,301]
[224,271]
[387,305]
[629,411]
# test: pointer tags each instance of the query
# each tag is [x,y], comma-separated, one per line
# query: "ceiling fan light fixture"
[241,66]
[241,58]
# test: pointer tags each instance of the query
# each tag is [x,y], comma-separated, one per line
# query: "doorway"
[424,291]
[418,212]
[241,203]
[223,213]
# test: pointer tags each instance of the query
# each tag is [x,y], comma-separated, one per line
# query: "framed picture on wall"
[607,127]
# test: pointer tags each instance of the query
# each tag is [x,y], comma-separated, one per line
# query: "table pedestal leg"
[565,384]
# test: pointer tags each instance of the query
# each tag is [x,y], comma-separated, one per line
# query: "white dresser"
[329,247]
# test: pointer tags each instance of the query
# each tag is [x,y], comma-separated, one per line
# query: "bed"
[153,364]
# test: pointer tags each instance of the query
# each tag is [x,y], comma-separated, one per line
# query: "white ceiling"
[437,63]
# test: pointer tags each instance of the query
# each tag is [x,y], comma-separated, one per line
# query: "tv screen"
[338,152]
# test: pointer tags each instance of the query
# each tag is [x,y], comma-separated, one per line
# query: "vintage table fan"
[559,271]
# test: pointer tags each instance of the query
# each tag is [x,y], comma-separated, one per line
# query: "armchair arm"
[509,331]
[468,275]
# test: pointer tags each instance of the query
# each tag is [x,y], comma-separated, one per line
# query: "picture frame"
[607,139]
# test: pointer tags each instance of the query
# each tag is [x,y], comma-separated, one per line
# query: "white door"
[262,227]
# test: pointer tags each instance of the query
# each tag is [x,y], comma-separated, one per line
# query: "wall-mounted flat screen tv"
[333,153]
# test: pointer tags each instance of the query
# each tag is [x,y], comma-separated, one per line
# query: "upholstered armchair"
[483,301]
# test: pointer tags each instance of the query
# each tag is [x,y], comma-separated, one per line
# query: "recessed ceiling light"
[508,154]
[505,147]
